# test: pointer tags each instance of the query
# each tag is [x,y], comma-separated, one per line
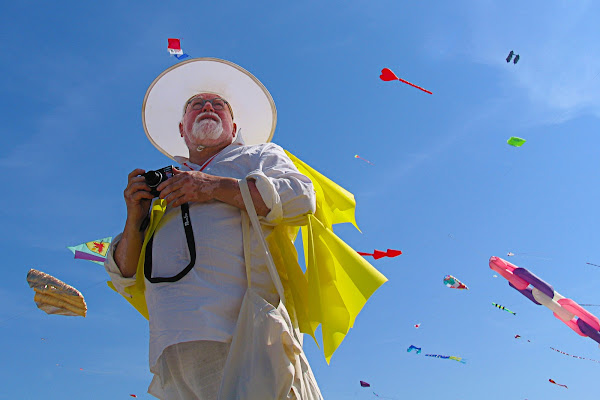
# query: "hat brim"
[252,104]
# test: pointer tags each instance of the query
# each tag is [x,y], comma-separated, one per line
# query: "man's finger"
[170,185]
[137,186]
[136,172]
[142,194]
[174,197]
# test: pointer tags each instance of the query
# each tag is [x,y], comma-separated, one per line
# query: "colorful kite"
[516,142]
[568,311]
[519,337]
[54,296]
[364,384]
[174,46]
[551,381]
[454,283]
[459,359]
[503,308]
[417,325]
[510,55]
[567,354]
[377,254]
[411,348]
[94,251]
[387,75]
[364,159]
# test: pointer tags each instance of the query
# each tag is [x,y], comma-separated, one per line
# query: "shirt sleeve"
[113,270]
[285,191]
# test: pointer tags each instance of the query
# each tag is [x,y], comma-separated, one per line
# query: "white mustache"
[202,116]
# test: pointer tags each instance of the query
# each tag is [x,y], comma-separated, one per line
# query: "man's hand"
[137,197]
[189,186]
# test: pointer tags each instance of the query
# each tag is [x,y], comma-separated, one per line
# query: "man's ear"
[181,129]
[234,130]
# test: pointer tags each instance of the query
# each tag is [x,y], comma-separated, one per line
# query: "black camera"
[155,178]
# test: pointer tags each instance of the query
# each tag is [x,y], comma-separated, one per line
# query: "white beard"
[207,129]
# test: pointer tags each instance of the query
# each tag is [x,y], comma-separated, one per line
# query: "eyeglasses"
[217,103]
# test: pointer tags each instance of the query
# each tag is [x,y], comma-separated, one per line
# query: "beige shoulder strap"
[256,224]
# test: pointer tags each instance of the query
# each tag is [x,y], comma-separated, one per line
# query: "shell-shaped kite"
[54,296]
[454,283]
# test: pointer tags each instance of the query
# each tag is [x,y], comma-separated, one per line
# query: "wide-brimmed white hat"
[253,107]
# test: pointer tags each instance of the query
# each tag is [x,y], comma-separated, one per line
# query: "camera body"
[155,178]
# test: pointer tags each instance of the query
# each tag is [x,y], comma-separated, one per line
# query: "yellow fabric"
[337,282]
[138,298]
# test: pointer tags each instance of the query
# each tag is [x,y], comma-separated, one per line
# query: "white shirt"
[205,303]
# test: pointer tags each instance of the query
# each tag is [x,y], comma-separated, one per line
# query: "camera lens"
[153,178]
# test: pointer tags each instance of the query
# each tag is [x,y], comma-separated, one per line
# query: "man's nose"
[208,107]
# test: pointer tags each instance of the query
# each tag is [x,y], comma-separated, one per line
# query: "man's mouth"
[209,115]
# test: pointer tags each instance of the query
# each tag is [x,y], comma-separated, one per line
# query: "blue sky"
[445,189]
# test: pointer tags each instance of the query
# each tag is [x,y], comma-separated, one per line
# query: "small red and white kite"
[417,325]
[174,46]
[387,75]
[377,254]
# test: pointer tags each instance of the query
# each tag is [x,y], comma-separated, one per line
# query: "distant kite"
[377,254]
[503,308]
[459,359]
[551,381]
[516,142]
[364,159]
[454,283]
[387,75]
[519,337]
[510,56]
[411,348]
[94,251]
[54,296]
[417,325]
[595,265]
[366,384]
[510,254]
[174,48]
[567,354]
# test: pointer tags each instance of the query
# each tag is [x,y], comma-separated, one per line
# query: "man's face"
[207,124]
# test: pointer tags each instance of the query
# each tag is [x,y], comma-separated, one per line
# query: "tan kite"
[54,296]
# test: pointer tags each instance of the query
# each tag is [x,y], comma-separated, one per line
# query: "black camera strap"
[189,236]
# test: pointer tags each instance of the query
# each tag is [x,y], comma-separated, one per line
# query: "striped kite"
[54,296]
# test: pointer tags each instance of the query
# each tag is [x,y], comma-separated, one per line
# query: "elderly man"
[193,295]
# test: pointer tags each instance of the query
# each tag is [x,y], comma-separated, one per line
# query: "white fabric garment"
[189,371]
[204,304]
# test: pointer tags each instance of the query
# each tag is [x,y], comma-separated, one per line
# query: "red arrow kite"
[387,75]
[377,254]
